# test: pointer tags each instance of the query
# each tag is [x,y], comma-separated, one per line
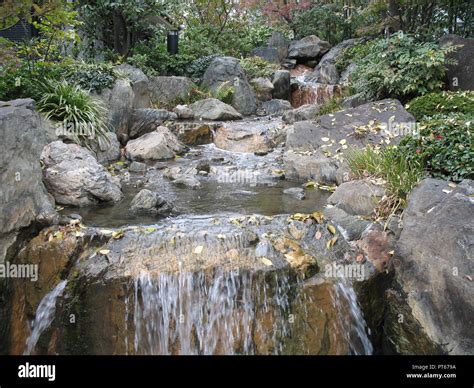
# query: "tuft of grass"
[399,174]
[332,105]
[75,109]
[225,92]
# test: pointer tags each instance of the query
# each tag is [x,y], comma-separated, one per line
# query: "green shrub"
[91,76]
[442,103]
[400,67]
[74,108]
[225,92]
[198,67]
[399,173]
[258,67]
[444,147]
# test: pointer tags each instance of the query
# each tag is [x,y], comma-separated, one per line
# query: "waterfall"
[217,313]
[44,316]
[355,326]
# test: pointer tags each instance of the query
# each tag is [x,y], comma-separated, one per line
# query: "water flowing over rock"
[23,196]
[311,92]
[73,176]
[227,70]
[44,316]
[160,144]
[204,285]
[213,109]
[434,262]
[168,91]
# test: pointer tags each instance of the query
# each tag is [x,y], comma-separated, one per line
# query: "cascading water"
[44,316]
[236,312]
[307,91]
[217,313]
[355,326]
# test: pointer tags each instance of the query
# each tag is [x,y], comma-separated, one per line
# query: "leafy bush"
[91,76]
[198,67]
[400,67]
[444,147]
[399,173]
[82,115]
[442,103]
[225,92]
[258,67]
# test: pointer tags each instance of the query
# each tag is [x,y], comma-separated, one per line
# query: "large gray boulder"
[310,47]
[358,198]
[325,72]
[460,76]
[167,91]
[282,85]
[160,144]
[228,70]
[377,122]
[434,266]
[119,101]
[23,197]
[214,109]
[144,121]
[140,85]
[74,177]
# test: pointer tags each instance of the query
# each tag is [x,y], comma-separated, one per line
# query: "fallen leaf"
[198,250]
[150,230]
[221,236]
[332,229]
[343,141]
[318,216]
[325,139]
[453,185]
[117,235]
[265,261]
[360,258]
[318,235]
[104,252]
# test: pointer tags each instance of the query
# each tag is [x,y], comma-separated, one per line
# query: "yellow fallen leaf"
[343,141]
[332,229]
[198,250]
[265,261]
[221,236]
[318,216]
[325,139]
[310,184]
[104,252]
[117,235]
[150,230]
[453,185]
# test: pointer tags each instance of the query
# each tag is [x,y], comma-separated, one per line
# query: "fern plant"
[225,92]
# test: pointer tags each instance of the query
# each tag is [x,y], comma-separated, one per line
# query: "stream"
[226,272]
